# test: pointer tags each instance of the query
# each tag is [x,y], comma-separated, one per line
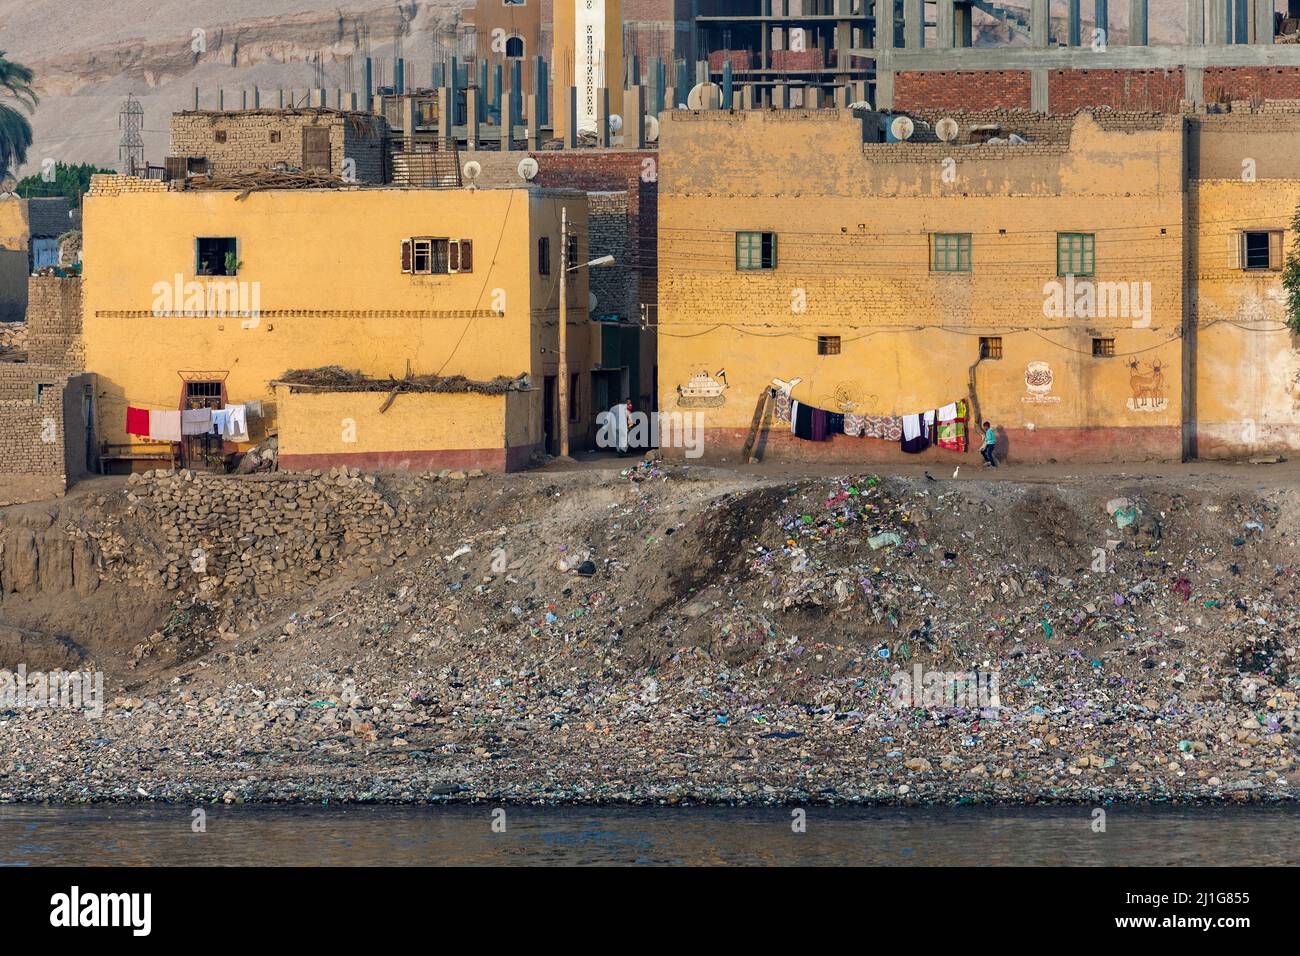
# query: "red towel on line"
[137,421]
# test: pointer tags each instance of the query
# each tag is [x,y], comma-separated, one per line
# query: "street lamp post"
[563,373]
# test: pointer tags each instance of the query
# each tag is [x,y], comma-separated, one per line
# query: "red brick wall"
[1243,82]
[970,89]
[612,171]
[1157,91]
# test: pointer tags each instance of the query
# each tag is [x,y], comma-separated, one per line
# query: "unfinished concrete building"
[1046,55]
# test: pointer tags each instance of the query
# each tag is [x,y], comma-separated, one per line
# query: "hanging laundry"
[927,426]
[854,425]
[802,416]
[834,424]
[236,425]
[914,439]
[820,430]
[887,427]
[196,421]
[219,417]
[137,421]
[951,432]
[254,408]
[165,426]
[794,417]
[782,409]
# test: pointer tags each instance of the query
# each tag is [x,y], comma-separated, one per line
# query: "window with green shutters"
[951,252]
[755,250]
[1075,253]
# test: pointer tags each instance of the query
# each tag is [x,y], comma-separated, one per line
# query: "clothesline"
[945,427]
[230,422]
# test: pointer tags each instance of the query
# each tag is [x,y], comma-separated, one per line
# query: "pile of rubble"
[671,634]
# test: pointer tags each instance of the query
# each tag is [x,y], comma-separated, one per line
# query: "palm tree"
[15,130]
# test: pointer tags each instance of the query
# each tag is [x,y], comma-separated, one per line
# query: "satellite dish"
[704,96]
[652,129]
[947,129]
[8,184]
[615,123]
[860,105]
[527,168]
[902,127]
[472,170]
[591,302]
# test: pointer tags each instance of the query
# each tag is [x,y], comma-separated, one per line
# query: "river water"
[486,835]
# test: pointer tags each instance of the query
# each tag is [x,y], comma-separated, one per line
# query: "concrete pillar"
[533,135]
[280,98]
[1195,20]
[634,100]
[884,95]
[408,121]
[1038,91]
[196,99]
[1194,84]
[1137,23]
[781,96]
[1264,22]
[944,24]
[221,99]
[884,38]
[445,119]
[748,98]
[1039,23]
[506,113]
[571,118]
[602,117]
[914,22]
[1241,21]
[471,117]
[1220,11]
[1074,18]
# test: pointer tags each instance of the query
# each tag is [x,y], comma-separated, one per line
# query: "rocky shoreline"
[665,637]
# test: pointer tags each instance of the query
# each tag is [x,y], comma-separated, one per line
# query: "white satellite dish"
[8,184]
[527,168]
[472,170]
[652,129]
[704,96]
[947,129]
[615,123]
[591,302]
[902,127]
[860,105]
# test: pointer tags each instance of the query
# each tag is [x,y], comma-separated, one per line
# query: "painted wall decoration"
[1038,385]
[703,390]
[1148,385]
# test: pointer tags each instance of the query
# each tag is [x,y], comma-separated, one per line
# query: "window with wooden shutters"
[423,256]
[1261,250]
[460,255]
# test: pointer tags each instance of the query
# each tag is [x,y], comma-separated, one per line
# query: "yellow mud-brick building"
[207,298]
[1101,287]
